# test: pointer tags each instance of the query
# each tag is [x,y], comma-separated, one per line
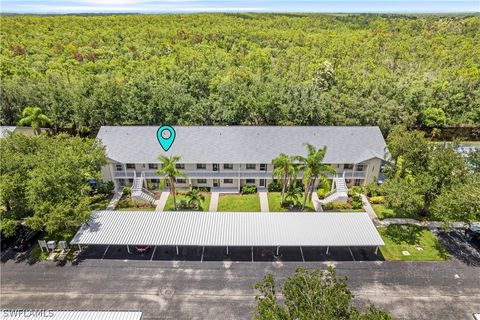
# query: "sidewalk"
[162,201]
[263,195]
[116,197]
[214,202]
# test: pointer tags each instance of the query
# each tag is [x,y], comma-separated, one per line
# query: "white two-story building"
[234,156]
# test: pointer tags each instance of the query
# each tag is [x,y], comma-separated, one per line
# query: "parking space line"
[301,251]
[103,256]
[351,253]
[154,249]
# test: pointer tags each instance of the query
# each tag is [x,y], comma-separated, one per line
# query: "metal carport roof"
[189,228]
[69,315]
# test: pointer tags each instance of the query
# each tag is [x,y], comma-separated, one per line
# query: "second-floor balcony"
[229,174]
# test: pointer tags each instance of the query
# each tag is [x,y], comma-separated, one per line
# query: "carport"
[229,229]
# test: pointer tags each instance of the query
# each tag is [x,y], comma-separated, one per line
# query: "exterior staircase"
[338,194]
[139,193]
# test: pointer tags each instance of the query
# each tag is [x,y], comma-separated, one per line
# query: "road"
[222,290]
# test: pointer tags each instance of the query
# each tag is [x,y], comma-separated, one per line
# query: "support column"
[79,248]
[176,247]
[128,249]
[252,254]
[227,250]
[327,250]
[277,250]
[376,251]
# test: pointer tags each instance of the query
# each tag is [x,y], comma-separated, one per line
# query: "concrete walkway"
[368,208]
[263,194]
[214,202]
[162,201]
[116,197]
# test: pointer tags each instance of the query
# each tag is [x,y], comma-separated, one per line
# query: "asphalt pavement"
[222,290]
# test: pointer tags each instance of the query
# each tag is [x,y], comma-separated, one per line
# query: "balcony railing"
[230,174]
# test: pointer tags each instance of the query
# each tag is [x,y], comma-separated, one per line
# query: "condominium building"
[234,156]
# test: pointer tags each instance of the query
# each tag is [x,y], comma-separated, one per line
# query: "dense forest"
[302,69]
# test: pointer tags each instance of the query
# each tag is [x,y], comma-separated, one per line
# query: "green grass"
[383,212]
[274,203]
[36,254]
[170,207]
[238,202]
[100,205]
[400,238]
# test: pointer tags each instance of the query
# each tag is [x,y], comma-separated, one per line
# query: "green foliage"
[274,187]
[423,171]
[127,191]
[249,189]
[433,117]
[239,69]
[332,206]
[377,200]
[373,189]
[292,196]
[44,181]
[170,174]
[309,294]
[34,117]
[194,199]
[355,190]
[105,187]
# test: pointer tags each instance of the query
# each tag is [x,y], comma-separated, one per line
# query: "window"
[130,181]
[251,166]
[155,181]
[250,180]
[122,182]
[152,166]
[358,182]
[348,166]
[119,167]
[263,167]
[228,181]
[130,165]
[201,166]
[180,166]
[201,180]
[228,166]
[361,167]
[181,180]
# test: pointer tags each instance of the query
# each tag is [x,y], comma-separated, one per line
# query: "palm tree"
[194,198]
[283,169]
[170,173]
[313,168]
[34,117]
[292,195]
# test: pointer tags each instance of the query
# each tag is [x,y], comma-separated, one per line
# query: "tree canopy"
[44,181]
[309,294]
[300,69]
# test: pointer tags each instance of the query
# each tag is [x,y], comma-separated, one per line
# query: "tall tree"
[283,169]
[309,294]
[313,169]
[170,174]
[34,117]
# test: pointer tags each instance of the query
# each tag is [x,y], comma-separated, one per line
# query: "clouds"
[168,6]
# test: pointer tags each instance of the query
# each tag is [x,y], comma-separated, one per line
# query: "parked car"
[142,249]
[473,235]
[25,237]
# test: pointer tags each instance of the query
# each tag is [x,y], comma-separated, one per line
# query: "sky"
[186,6]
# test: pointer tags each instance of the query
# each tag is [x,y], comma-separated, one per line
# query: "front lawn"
[238,202]
[274,203]
[170,207]
[420,243]
[100,203]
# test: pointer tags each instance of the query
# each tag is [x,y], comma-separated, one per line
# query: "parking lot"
[256,254]
[459,248]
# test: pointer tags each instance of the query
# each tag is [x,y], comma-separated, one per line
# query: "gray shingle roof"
[242,144]
[190,228]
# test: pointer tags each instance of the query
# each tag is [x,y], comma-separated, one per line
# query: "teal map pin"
[166,136]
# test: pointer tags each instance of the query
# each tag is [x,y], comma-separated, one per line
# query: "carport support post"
[327,249]
[176,247]
[128,249]
[79,248]
[376,250]
[227,250]
[277,251]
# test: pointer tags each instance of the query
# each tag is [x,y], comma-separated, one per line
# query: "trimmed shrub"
[201,189]
[274,187]
[377,200]
[337,206]
[105,187]
[355,190]
[373,189]
[357,205]
[127,191]
[249,189]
